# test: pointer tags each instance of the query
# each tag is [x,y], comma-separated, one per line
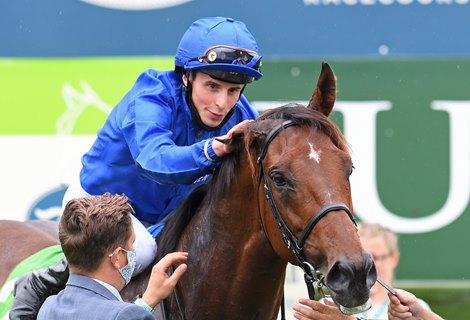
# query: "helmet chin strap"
[188,89]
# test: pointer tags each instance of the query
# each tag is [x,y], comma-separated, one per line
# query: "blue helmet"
[221,47]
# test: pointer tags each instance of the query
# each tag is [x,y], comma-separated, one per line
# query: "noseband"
[311,273]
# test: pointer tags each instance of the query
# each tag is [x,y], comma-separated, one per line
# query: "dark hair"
[92,227]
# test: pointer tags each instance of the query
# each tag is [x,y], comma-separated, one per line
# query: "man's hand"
[311,309]
[161,284]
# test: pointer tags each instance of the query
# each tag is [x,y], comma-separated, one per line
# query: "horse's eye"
[278,179]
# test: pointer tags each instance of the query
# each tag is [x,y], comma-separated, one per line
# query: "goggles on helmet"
[230,55]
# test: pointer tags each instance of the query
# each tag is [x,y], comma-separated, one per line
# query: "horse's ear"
[324,95]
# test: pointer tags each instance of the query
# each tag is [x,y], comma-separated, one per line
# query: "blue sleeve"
[150,134]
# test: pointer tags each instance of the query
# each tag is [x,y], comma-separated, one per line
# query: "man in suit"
[97,238]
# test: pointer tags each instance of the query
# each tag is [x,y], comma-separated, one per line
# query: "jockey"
[159,142]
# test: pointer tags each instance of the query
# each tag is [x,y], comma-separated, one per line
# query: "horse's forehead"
[309,138]
[311,145]
[304,144]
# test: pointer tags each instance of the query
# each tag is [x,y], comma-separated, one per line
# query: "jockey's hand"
[311,309]
[161,284]
[221,148]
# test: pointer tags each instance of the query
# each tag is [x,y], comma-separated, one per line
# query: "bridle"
[311,274]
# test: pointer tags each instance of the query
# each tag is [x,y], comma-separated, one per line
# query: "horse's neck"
[231,261]
[137,286]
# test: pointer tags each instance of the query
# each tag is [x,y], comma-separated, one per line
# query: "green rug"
[45,258]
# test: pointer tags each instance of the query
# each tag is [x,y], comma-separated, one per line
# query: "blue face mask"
[127,271]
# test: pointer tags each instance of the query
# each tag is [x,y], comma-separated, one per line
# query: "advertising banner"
[295,28]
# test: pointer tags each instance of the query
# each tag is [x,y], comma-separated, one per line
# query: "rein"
[311,274]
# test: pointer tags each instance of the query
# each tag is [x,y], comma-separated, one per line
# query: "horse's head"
[303,164]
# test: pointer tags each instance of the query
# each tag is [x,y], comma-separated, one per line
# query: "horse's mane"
[177,220]
[226,173]
[308,117]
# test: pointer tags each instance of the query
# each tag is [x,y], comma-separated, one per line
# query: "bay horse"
[282,196]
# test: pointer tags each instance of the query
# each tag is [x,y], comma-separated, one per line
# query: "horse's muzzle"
[349,284]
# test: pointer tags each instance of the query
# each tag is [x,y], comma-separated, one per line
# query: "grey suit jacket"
[85,299]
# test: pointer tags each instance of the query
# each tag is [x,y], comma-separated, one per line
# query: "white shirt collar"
[112,289]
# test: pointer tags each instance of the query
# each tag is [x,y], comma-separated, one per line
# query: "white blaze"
[314,154]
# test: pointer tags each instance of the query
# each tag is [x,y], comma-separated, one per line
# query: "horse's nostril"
[339,277]
[372,274]
[349,283]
